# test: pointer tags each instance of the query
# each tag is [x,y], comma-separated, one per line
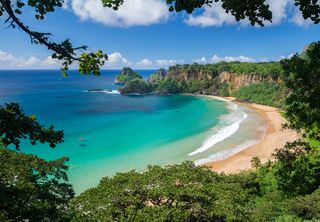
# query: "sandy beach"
[275,137]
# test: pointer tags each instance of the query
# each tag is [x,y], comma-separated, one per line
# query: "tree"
[302,78]
[16,125]
[89,63]
[137,85]
[182,192]
[31,188]
[297,169]
[257,11]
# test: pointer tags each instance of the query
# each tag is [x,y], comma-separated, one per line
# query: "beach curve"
[275,137]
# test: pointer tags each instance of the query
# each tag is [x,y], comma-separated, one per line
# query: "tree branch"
[37,36]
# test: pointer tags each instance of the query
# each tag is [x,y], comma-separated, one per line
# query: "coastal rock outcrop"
[157,76]
[126,75]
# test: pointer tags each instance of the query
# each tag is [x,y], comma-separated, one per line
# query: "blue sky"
[143,34]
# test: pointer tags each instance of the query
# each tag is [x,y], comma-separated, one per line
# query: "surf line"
[222,134]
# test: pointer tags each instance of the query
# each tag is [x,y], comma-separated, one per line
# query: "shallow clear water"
[123,133]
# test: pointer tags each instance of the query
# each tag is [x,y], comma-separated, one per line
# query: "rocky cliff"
[157,76]
[183,75]
[236,81]
[230,76]
[233,81]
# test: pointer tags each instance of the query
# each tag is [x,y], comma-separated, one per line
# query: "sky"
[143,34]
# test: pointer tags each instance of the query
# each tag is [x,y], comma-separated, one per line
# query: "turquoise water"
[121,133]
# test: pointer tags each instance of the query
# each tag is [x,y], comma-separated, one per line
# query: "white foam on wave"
[114,92]
[111,92]
[224,132]
[226,153]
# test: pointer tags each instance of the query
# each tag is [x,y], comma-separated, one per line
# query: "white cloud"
[216,59]
[8,61]
[201,60]
[279,10]
[49,61]
[289,56]
[240,58]
[6,57]
[116,60]
[211,16]
[131,13]
[145,62]
[168,62]
[298,19]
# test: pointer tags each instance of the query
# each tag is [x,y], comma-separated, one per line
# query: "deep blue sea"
[109,133]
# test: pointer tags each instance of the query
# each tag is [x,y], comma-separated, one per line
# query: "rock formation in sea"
[126,75]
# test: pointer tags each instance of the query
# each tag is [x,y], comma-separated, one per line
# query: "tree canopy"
[256,11]
[302,78]
[15,125]
[31,189]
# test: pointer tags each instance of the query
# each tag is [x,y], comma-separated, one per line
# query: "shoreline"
[275,137]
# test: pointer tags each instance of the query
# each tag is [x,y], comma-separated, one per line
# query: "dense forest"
[263,68]
[265,93]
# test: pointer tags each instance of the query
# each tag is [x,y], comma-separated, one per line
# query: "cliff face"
[236,81]
[157,76]
[189,74]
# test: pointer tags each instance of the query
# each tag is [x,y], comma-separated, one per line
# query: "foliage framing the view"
[15,126]
[31,189]
[302,78]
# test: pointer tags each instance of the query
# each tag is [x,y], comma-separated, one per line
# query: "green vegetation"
[195,85]
[257,12]
[138,86]
[167,86]
[176,193]
[302,105]
[204,79]
[265,93]
[263,68]
[31,189]
[126,75]
[223,89]
[15,126]
[189,193]
[157,76]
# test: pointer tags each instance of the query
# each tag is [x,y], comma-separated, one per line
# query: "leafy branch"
[89,63]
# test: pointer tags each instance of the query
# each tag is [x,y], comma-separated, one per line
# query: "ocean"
[107,133]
